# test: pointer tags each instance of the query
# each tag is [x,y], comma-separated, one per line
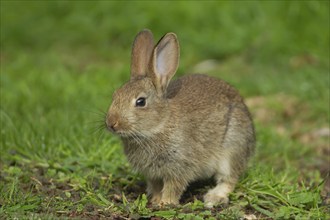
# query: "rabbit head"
[139,106]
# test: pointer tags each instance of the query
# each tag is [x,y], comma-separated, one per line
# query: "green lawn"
[61,62]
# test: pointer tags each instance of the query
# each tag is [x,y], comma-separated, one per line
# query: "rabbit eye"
[140,102]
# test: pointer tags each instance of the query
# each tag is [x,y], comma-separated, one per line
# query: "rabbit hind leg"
[237,146]
[225,185]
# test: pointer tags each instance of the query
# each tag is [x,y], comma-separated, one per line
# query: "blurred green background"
[81,35]
[61,57]
[61,61]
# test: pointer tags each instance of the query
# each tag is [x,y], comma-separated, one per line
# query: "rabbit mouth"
[128,134]
[131,134]
[122,134]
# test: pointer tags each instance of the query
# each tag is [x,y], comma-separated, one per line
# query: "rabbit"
[176,132]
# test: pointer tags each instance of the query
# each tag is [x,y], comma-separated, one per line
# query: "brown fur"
[194,127]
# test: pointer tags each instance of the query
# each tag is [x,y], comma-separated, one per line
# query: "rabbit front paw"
[172,191]
[155,199]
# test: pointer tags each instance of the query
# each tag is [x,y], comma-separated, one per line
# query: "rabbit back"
[213,120]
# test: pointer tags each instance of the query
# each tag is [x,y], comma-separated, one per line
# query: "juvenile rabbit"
[176,132]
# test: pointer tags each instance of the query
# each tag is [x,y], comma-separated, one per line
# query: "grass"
[61,61]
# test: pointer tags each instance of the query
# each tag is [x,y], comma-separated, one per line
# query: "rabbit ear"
[165,61]
[141,53]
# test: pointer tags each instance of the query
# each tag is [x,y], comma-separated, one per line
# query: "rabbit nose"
[112,123]
[112,126]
